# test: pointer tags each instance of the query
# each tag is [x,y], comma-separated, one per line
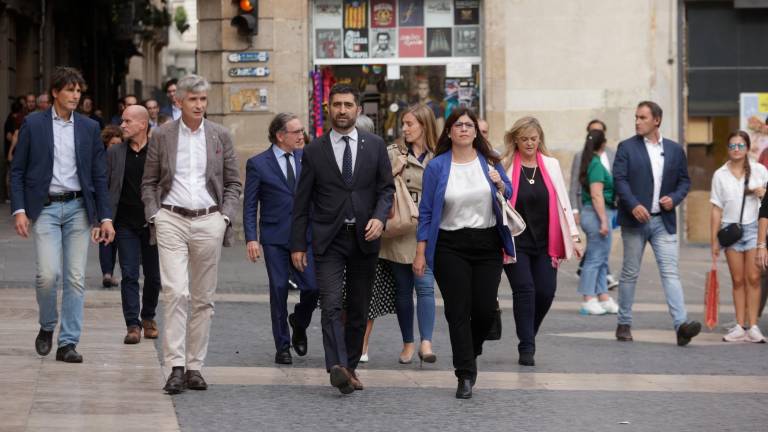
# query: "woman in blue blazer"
[461,237]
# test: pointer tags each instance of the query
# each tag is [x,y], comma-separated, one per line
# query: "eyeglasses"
[298,131]
[737,146]
[462,125]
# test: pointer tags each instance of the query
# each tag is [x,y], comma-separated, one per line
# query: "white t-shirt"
[467,198]
[728,190]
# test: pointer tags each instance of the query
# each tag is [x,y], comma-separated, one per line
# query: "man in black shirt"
[125,165]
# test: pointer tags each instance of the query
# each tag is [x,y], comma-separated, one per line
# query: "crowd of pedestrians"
[356,225]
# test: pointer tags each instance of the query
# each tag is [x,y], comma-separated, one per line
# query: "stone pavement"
[583,380]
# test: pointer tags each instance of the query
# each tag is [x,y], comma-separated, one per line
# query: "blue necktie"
[290,175]
[346,164]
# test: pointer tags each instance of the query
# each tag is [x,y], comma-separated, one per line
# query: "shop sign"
[245,57]
[246,98]
[249,72]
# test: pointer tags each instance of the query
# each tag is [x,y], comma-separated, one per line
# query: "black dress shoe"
[283,357]
[464,389]
[624,333]
[175,383]
[44,342]
[298,337]
[473,378]
[195,381]
[68,354]
[526,359]
[687,331]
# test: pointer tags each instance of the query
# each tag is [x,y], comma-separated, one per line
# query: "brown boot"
[150,329]
[133,336]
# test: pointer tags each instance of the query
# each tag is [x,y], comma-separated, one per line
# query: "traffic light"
[247,18]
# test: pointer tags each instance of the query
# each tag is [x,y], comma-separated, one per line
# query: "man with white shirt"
[651,180]
[190,189]
[59,185]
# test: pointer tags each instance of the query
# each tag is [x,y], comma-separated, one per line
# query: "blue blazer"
[434,183]
[633,180]
[266,184]
[32,166]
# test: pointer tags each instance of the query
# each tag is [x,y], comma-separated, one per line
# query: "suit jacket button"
[407,180]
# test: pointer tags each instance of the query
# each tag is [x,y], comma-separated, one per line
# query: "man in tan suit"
[190,190]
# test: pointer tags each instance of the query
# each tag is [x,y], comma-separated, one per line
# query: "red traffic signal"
[247,18]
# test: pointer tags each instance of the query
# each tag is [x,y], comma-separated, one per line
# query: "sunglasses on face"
[737,146]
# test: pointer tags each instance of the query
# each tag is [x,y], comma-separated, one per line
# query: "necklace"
[531,180]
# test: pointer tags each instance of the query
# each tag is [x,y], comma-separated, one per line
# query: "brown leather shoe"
[624,333]
[354,379]
[150,329]
[341,379]
[133,336]
[195,381]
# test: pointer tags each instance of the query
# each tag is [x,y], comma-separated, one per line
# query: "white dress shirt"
[656,154]
[467,199]
[604,159]
[279,154]
[175,112]
[188,189]
[338,147]
[64,161]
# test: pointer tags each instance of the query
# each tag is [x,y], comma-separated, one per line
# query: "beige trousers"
[189,250]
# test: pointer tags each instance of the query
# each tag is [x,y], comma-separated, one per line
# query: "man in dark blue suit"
[651,180]
[270,181]
[59,183]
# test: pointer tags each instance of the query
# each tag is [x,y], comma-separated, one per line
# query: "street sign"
[249,72]
[253,56]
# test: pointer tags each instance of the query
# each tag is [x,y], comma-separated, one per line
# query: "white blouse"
[467,198]
[728,190]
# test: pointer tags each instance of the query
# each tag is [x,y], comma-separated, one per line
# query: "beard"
[343,123]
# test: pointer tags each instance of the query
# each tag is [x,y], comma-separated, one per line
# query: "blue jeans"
[666,250]
[135,250]
[405,281]
[595,267]
[61,234]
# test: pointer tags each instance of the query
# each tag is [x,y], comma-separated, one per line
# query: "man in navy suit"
[59,183]
[345,192]
[270,181]
[651,179]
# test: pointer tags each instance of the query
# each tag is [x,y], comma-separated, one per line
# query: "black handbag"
[494,333]
[731,233]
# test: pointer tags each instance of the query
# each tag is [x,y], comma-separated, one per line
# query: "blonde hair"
[520,126]
[426,119]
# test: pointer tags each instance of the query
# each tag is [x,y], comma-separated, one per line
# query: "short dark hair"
[63,76]
[344,89]
[109,132]
[146,101]
[593,121]
[656,111]
[170,82]
[130,95]
[278,124]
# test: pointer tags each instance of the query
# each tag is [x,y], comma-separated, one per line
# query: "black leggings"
[467,269]
[533,281]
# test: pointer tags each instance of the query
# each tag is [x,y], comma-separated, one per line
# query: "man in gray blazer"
[125,168]
[190,190]
[574,193]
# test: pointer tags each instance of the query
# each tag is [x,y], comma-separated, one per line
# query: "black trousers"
[533,281]
[343,340]
[467,269]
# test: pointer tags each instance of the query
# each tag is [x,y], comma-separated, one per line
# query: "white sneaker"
[754,335]
[610,306]
[364,358]
[611,281]
[736,334]
[591,307]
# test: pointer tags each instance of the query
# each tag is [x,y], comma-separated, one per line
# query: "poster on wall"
[355,14]
[753,113]
[246,98]
[383,13]
[438,13]
[328,13]
[439,42]
[411,42]
[466,12]
[356,44]
[410,13]
[466,41]
[383,43]
[328,43]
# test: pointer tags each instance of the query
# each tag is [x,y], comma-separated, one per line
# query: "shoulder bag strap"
[744,197]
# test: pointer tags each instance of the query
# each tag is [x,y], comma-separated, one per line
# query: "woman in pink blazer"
[551,235]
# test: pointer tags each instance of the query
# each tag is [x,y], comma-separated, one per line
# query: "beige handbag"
[510,217]
[404,215]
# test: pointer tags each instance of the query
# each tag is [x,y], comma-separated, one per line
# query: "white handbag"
[510,217]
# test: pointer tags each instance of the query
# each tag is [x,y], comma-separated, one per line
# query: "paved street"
[583,381]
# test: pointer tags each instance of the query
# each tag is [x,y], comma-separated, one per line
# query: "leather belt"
[348,227]
[190,213]
[64,197]
[656,214]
